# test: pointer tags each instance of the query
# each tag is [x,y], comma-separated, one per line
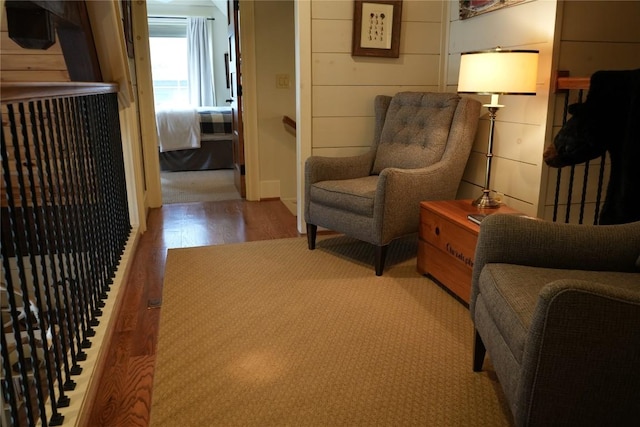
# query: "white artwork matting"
[377,23]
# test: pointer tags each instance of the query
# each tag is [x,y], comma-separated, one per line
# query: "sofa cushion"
[511,292]
[355,195]
[416,130]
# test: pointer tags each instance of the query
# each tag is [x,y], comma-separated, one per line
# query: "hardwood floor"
[125,389]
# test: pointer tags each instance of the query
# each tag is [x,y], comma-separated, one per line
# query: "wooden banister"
[564,82]
[63,203]
[33,91]
[289,121]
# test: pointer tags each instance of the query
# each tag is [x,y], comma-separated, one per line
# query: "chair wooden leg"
[311,236]
[381,254]
[479,352]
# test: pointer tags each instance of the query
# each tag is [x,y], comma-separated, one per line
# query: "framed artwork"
[471,8]
[376,28]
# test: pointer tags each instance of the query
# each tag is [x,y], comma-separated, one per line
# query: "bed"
[195,139]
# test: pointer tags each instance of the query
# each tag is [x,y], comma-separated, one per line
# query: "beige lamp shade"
[499,72]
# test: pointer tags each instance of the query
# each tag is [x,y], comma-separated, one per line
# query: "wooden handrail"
[33,91]
[564,82]
[289,121]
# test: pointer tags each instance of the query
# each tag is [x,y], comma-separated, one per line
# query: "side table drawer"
[450,238]
[438,264]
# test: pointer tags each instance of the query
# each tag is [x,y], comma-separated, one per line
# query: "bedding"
[177,129]
[215,147]
[215,123]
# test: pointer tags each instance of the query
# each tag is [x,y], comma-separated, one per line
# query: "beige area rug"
[270,333]
[198,186]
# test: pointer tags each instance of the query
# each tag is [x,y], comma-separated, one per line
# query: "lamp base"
[486,201]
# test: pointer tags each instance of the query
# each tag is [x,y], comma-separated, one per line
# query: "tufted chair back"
[415,131]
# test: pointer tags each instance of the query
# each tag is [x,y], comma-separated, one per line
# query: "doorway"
[189,72]
[270,149]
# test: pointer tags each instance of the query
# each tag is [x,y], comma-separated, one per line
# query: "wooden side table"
[447,242]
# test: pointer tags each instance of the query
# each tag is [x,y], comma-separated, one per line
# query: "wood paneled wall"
[521,126]
[593,35]
[26,65]
[344,87]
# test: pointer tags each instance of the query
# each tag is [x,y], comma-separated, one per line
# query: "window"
[168,49]
[169,70]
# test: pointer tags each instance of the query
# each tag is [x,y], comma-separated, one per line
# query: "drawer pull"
[437,231]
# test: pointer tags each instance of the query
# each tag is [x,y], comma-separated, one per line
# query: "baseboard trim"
[84,395]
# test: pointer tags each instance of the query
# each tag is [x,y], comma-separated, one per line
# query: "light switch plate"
[282,81]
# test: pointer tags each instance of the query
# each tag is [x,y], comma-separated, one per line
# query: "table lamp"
[497,72]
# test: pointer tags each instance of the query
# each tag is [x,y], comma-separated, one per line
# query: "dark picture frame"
[376,28]
[471,8]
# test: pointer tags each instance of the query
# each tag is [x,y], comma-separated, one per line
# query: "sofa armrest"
[583,349]
[400,192]
[320,168]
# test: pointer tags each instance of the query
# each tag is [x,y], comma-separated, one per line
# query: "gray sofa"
[557,308]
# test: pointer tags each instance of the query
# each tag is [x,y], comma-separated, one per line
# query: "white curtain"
[199,63]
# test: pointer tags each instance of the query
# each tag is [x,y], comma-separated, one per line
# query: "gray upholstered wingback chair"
[421,145]
[557,308]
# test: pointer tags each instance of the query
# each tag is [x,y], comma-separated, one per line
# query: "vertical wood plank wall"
[591,35]
[521,125]
[344,87]
[25,65]
[594,35]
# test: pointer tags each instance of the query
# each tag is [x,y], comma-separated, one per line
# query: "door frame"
[303,61]
[303,94]
[250,119]
[249,100]
[146,109]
